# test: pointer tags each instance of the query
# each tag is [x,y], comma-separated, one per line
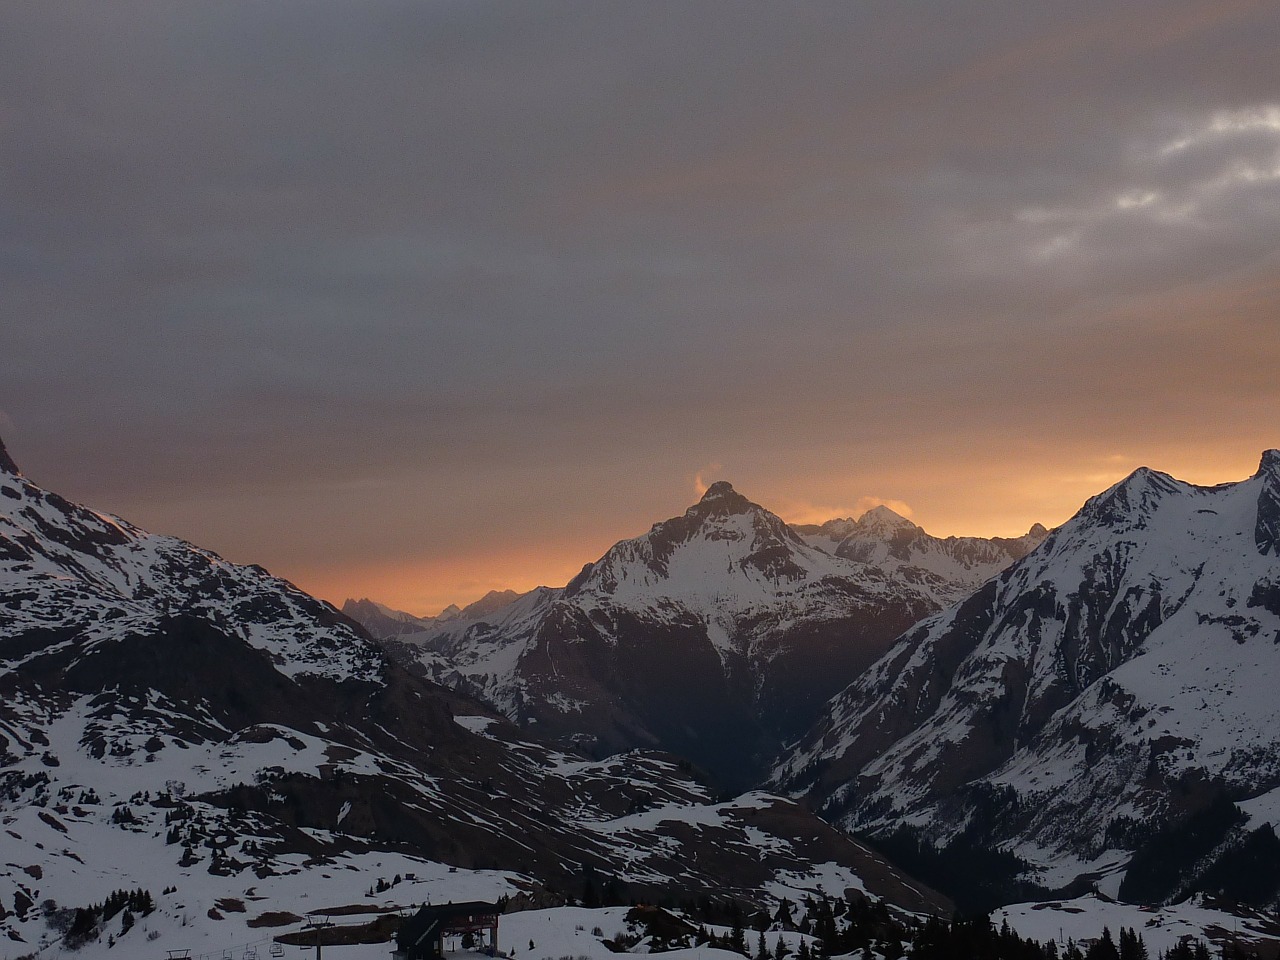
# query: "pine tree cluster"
[88,921]
[866,928]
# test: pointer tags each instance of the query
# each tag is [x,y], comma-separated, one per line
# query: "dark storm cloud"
[291,246]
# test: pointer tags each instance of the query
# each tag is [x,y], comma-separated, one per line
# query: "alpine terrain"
[718,635]
[1103,712]
[204,745]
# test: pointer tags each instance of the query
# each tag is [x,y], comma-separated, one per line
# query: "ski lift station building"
[422,936]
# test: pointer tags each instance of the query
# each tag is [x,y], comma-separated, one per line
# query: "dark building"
[421,937]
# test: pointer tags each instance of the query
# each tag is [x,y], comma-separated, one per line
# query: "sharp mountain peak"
[1269,464]
[6,462]
[719,490]
[881,517]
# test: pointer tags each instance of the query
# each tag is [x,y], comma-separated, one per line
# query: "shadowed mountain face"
[150,687]
[1089,702]
[382,621]
[718,635]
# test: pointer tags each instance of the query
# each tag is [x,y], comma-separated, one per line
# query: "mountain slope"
[231,731]
[717,635]
[1079,708]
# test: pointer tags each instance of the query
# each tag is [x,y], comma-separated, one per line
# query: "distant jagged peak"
[492,601]
[883,521]
[1038,531]
[351,607]
[1269,465]
[452,611]
[8,466]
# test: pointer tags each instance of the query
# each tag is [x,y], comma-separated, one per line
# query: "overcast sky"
[418,299]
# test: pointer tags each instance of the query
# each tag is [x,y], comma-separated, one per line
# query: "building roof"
[429,919]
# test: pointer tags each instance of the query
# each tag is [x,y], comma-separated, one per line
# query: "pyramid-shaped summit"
[884,520]
[718,490]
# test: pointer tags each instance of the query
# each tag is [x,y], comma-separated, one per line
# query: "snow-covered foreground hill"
[1162,928]
[717,635]
[172,720]
[1110,698]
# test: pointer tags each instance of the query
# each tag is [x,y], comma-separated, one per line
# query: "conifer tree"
[1104,948]
[738,936]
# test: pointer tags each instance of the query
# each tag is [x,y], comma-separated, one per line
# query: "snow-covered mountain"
[951,568]
[717,635]
[1109,699]
[172,720]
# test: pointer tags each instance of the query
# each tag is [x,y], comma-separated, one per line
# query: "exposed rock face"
[718,635]
[1113,682]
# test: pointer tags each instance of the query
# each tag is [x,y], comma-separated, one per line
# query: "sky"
[415,299]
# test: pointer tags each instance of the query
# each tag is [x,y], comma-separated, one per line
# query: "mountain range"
[718,635]
[170,719]
[1092,708]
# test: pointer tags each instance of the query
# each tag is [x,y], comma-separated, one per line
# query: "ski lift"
[227,955]
[250,953]
[277,949]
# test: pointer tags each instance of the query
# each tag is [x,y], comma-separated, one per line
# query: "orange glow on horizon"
[988,500]
[424,587]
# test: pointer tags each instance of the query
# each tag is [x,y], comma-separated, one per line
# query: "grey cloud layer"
[247,243]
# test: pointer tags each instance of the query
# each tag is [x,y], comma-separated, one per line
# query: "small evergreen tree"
[737,935]
[1104,948]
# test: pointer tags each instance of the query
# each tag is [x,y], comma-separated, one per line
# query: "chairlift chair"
[277,949]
